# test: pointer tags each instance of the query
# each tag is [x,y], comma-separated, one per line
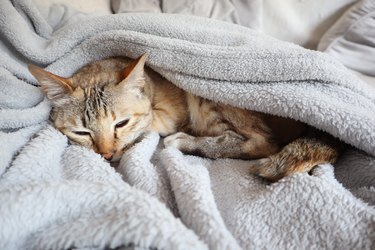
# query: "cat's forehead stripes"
[96,102]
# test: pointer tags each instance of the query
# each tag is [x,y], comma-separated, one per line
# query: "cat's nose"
[108,156]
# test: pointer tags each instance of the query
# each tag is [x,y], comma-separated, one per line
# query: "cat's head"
[108,115]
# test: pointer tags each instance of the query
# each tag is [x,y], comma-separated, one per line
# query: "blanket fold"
[54,195]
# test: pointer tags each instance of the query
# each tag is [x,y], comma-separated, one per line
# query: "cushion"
[352,38]
[244,12]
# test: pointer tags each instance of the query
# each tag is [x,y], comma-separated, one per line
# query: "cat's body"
[109,104]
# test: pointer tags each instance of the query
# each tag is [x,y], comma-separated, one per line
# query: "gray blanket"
[54,195]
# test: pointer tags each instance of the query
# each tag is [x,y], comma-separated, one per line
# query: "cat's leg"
[298,156]
[227,145]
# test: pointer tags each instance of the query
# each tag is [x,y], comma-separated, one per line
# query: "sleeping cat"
[109,104]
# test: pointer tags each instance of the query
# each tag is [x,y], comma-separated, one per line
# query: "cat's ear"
[56,88]
[134,73]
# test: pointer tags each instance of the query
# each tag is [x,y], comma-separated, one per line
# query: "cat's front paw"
[178,140]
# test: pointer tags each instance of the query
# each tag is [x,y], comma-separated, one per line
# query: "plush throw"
[55,196]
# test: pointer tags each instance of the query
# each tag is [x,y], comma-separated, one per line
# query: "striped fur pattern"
[107,106]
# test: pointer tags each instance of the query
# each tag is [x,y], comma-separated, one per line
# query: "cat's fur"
[107,106]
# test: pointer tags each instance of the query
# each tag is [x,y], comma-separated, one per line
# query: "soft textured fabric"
[54,195]
[352,38]
[300,22]
[367,79]
[245,12]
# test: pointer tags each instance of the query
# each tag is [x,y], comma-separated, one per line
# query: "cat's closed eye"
[122,123]
[83,133]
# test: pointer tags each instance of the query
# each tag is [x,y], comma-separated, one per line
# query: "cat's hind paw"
[265,168]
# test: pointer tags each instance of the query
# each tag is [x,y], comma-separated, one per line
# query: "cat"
[109,104]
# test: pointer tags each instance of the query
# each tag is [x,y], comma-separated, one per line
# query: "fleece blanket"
[55,196]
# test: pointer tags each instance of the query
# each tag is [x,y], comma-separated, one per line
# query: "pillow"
[244,12]
[352,38]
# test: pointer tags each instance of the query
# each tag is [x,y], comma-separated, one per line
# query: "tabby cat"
[109,104]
